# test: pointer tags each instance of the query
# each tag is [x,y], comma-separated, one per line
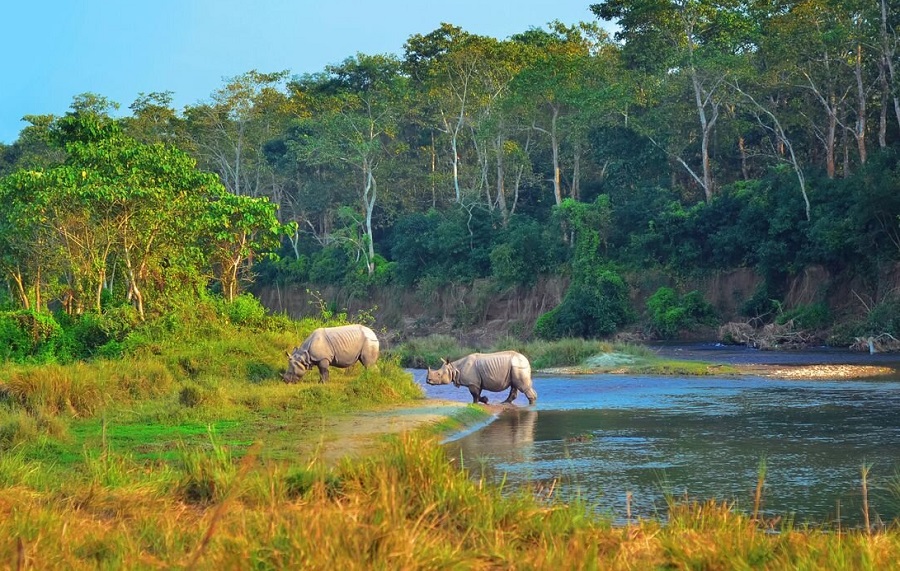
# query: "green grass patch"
[462,419]
[681,368]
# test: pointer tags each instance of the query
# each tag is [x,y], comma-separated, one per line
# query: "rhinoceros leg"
[476,395]
[531,394]
[513,393]
[323,370]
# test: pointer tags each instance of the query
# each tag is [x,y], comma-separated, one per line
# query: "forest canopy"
[704,135]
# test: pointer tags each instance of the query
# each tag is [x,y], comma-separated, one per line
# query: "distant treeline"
[706,135]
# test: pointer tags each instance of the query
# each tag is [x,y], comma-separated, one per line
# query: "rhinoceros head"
[298,364]
[444,376]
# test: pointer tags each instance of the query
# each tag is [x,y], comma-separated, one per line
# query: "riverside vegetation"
[182,452]
[143,423]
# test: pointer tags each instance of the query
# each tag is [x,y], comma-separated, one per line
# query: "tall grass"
[406,507]
[579,355]
[425,352]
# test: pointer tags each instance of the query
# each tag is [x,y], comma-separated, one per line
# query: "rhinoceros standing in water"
[487,371]
[332,346]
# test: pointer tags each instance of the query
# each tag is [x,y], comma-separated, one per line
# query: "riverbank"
[354,435]
[224,469]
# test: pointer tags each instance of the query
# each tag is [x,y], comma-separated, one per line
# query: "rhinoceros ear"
[288,354]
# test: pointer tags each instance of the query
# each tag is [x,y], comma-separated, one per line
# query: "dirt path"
[359,433]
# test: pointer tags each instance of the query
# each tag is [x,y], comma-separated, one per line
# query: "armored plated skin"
[487,371]
[339,346]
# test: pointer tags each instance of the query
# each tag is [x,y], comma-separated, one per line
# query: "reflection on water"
[602,436]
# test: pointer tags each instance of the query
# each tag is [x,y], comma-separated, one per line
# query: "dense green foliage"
[117,221]
[671,313]
[709,136]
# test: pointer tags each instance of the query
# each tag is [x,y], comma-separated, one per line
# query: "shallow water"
[599,437]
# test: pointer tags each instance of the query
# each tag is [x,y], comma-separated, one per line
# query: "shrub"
[190,396]
[27,335]
[56,389]
[329,266]
[594,306]
[669,313]
[528,249]
[761,304]
[245,309]
[813,316]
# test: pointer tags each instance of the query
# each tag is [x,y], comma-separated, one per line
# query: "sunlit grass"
[184,454]
[407,506]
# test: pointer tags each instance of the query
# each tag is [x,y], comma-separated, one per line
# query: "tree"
[28,243]
[235,230]
[571,77]
[154,120]
[118,204]
[34,149]
[462,78]
[688,46]
[229,132]
[445,72]
[360,103]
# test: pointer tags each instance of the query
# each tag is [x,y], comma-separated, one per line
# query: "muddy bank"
[358,434]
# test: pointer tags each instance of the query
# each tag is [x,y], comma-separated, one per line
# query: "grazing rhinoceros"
[487,371]
[332,346]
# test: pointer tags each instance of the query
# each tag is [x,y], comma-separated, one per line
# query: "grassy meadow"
[186,453]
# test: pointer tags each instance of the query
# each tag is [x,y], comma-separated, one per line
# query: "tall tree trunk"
[38,301]
[882,115]
[743,149]
[98,294]
[369,196]
[888,49]
[860,129]
[453,131]
[845,146]
[501,176]
[20,289]
[519,172]
[830,137]
[433,173]
[576,171]
[134,291]
[554,144]
[702,100]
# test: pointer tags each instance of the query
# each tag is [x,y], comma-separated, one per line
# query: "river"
[604,437]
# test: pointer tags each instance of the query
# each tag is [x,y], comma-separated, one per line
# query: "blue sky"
[54,50]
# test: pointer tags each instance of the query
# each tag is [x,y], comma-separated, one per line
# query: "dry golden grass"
[405,508]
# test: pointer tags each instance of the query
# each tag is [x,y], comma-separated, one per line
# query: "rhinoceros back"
[345,345]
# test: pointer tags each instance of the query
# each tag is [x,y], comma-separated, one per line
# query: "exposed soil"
[359,433]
